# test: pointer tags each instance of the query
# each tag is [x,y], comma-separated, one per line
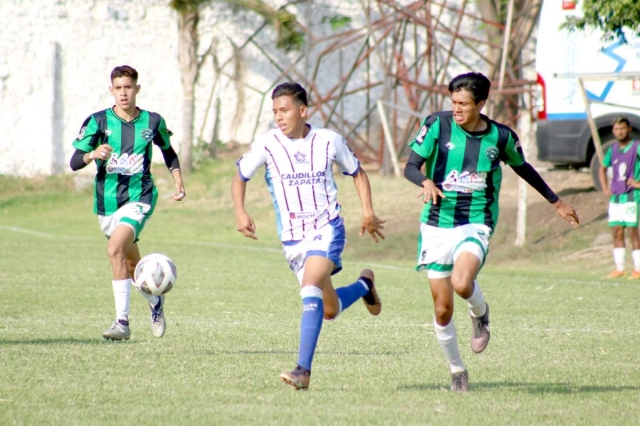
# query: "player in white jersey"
[298,160]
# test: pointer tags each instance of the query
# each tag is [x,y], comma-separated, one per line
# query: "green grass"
[564,347]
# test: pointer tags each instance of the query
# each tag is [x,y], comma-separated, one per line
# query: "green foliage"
[610,16]
[337,22]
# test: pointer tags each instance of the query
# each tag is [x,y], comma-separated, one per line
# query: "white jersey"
[299,176]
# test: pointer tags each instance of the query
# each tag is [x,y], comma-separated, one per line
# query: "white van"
[563,135]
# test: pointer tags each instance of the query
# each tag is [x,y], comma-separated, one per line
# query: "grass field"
[564,347]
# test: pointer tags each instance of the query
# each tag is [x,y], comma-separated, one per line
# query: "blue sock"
[311,324]
[350,293]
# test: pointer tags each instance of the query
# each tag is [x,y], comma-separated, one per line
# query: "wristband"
[91,155]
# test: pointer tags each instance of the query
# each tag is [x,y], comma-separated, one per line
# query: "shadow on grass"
[67,341]
[532,388]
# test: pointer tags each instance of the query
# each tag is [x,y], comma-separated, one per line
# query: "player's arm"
[370,222]
[87,145]
[172,162]
[413,173]
[533,178]
[602,173]
[245,224]
[421,148]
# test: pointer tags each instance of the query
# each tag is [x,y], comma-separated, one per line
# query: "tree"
[525,17]
[188,11]
[610,16]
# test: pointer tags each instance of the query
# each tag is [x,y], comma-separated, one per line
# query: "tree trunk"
[188,60]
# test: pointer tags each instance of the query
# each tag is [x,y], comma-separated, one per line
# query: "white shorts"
[623,214]
[327,241]
[438,248]
[134,215]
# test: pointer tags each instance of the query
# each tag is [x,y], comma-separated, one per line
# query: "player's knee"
[443,314]
[331,313]
[116,252]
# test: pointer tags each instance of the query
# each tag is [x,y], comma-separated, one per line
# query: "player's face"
[289,116]
[621,132]
[465,110]
[124,91]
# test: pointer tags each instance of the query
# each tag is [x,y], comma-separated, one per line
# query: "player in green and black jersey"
[120,141]
[462,150]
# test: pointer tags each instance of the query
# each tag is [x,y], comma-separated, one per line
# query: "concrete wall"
[56,57]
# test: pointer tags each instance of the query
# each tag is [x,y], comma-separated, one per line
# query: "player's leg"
[445,329]
[330,242]
[616,221]
[634,236]
[119,241]
[156,303]
[619,252]
[435,254]
[316,276]
[472,244]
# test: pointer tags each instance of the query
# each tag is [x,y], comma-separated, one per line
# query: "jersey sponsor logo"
[622,171]
[492,153]
[107,132]
[421,134]
[300,157]
[306,178]
[466,182]
[450,145]
[146,134]
[82,132]
[303,215]
[125,164]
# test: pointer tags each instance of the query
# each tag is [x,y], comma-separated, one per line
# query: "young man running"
[298,160]
[463,150]
[120,141]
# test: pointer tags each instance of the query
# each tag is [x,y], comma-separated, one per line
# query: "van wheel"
[594,165]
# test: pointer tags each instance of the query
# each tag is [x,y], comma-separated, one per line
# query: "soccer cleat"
[117,331]
[158,324]
[297,379]
[480,332]
[635,275]
[371,300]
[460,381]
[617,274]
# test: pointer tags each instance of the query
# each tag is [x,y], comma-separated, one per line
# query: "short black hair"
[124,71]
[476,83]
[619,120]
[293,89]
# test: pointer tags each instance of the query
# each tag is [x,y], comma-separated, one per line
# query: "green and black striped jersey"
[465,166]
[125,176]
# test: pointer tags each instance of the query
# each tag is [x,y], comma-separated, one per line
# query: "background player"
[119,140]
[298,160]
[623,195]
[463,150]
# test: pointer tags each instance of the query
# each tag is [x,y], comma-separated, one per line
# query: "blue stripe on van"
[567,116]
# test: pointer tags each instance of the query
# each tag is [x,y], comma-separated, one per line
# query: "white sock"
[635,255]
[618,257]
[447,338]
[153,300]
[121,295]
[476,304]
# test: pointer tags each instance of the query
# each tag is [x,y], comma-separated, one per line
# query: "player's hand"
[606,192]
[246,226]
[567,212]
[430,192]
[180,192]
[373,226]
[633,183]
[103,152]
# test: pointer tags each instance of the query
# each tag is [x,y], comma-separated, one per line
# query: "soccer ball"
[155,274]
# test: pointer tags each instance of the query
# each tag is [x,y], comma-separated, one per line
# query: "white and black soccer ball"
[155,274]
